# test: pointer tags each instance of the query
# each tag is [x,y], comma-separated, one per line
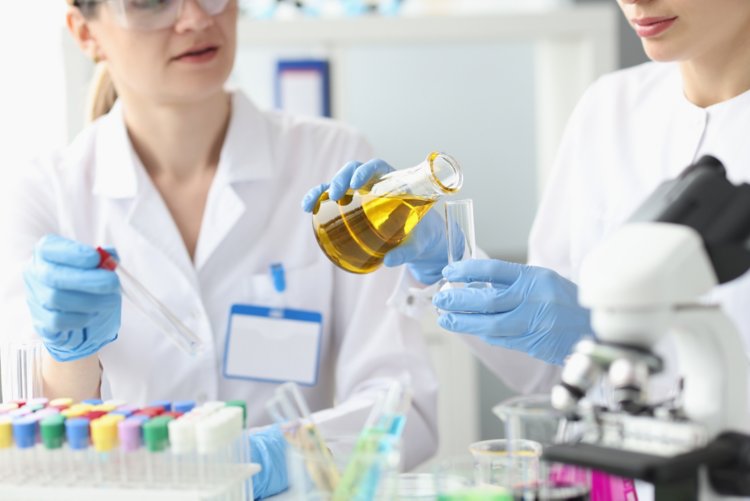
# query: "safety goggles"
[150,15]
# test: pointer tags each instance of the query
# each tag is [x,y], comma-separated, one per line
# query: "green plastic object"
[239,403]
[156,433]
[476,494]
[53,431]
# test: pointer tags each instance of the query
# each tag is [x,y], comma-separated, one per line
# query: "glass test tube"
[459,221]
[147,303]
[22,370]
[459,226]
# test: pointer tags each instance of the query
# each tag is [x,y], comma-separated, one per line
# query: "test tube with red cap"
[147,303]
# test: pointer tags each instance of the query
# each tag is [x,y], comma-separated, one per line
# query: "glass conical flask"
[357,231]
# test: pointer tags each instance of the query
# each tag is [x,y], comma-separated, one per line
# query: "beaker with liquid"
[357,231]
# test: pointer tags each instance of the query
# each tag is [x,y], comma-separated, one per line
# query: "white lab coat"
[632,130]
[97,191]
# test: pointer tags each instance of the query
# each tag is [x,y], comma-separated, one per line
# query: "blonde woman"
[196,189]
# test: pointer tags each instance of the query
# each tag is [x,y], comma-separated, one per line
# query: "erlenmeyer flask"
[357,231]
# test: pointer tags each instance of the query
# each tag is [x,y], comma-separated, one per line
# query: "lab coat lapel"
[150,218]
[245,156]
[121,175]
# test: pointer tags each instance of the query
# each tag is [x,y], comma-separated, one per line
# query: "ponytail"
[102,94]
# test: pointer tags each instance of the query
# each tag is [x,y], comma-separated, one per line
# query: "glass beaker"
[380,482]
[530,417]
[357,231]
[458,479]
[507,463]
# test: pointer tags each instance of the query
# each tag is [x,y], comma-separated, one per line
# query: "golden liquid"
[358,230]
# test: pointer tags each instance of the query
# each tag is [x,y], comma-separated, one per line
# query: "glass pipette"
[137,294]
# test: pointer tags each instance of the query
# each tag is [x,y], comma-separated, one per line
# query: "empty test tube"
[24,435]
[130,432]
[78,438]
[6,447]
[104,436]
[182,445]
[156,438]
[52,430]
[147,303]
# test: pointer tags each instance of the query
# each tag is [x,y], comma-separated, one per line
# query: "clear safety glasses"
[150,15]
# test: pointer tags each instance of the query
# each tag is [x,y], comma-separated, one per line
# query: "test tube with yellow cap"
[104,437]
[6,446]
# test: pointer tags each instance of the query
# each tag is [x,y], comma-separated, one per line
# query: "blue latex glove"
[425,250]
[75,305]
[268,448]
[528,308]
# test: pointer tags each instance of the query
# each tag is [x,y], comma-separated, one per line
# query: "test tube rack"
[60,450]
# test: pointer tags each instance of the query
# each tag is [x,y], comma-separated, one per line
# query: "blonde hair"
[102,93]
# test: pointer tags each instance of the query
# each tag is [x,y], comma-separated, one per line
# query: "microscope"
[645,284]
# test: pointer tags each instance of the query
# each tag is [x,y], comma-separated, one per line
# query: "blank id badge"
[273,344]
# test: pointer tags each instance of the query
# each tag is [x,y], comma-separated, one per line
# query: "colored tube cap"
[61,403]
[166,405]
[6,433]
[93,401]
[156,433]
[243,405]
[92,415]
[10,406]
[77,433]
[53,431]
[183,406]
[150,411]
[129,432]
[104,434]
[125,410]
[24,432]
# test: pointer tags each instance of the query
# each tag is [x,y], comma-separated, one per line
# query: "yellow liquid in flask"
[357,231]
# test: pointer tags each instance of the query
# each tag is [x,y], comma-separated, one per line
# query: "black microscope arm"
[704,199]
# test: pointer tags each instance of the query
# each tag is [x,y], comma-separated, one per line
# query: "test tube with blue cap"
[147,303]
[78,438]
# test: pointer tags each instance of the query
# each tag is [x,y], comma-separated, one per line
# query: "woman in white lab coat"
[632,130]
[197,190]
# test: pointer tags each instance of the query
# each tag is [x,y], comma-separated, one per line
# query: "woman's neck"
[719,75]
[178,141]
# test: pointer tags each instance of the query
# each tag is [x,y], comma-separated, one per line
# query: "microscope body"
[643,285]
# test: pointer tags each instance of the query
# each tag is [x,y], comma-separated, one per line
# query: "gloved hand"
[424,251]
[528,308]
[268,448]
[74,304]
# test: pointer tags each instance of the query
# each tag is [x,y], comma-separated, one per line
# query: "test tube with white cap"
[147,303]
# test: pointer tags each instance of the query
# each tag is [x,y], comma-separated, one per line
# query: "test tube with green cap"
[156,439]
[241,404]
[52,430]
